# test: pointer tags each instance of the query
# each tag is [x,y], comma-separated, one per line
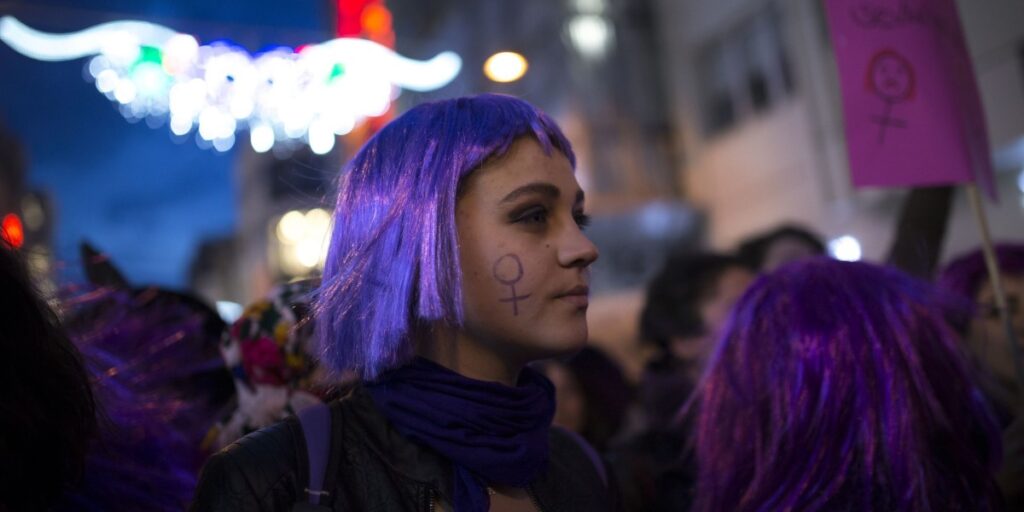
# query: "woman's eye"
[582,220]
[535,216]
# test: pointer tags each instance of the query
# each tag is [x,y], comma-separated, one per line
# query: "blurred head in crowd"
[686,307]
[47,412]
[158,379]
[591,395]
[459,220]
[270,351]
[161,344]
[985,334]
[688,302]
[770,250]
[839,386]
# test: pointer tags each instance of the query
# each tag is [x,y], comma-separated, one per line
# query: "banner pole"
[988,249]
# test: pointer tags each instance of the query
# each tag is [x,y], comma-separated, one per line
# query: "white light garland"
[280,96]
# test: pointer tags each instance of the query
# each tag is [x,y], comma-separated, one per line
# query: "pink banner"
[912,111]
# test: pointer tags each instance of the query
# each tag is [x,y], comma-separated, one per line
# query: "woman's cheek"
[510,276]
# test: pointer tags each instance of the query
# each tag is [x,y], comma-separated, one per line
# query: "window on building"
[743,72]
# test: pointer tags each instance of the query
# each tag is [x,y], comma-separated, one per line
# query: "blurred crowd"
[778,378]
[116,394]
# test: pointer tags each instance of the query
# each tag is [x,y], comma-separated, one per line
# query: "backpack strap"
[316,428]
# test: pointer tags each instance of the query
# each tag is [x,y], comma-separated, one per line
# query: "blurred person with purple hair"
[457,258]
[985,340]
[838,386]
[89,420]
[158,379]
[983,330]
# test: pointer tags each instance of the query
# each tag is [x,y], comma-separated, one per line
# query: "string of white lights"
[282,96]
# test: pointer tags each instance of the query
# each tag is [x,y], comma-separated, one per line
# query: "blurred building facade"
[593,65]
[693,122]
[284,200]
[753,89]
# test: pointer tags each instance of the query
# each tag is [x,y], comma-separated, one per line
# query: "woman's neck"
[454,350]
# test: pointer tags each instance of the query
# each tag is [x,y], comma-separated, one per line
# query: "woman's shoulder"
[256,472]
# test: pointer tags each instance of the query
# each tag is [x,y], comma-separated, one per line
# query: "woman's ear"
[99,270]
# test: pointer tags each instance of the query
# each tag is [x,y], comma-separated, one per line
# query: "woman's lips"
[578,296]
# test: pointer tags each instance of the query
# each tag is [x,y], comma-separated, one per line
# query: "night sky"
[137,194]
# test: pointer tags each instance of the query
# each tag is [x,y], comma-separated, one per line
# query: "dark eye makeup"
[538,215]
[582,219]
[530,215]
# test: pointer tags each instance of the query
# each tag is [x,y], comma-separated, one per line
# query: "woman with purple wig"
[985,340]
[967,277]
[457,258]
[838,386]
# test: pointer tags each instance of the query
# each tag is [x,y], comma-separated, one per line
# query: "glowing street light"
[505,67]
[845,248]
[302,240]
[591,34]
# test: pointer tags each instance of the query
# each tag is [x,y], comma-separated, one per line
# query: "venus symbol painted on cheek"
[508,270]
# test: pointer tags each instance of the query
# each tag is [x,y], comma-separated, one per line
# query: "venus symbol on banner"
[891,78]
[912,113]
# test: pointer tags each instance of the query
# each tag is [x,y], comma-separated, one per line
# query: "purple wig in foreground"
[838,386]
[393,263]
[158,379]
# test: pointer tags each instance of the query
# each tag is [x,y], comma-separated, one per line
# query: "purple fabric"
[493,434]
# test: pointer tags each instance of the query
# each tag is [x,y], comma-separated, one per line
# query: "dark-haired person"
[47,410]
[592,395]
[772,249]
[685,309]
[457,258]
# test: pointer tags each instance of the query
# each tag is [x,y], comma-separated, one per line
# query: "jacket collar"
[406,458]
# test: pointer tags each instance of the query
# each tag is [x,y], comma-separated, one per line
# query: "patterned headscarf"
[270,353]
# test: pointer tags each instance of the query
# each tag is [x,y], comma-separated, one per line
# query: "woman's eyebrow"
[538,187]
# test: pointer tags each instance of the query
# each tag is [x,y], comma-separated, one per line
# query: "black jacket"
[378,470]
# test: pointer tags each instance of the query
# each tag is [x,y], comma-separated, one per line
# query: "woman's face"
[524,257]
[988,334]
[714,310]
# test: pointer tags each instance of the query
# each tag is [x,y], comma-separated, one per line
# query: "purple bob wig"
[393,265]
[965,274]
[838,386]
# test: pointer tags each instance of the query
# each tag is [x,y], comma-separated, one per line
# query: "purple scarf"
[494,434]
